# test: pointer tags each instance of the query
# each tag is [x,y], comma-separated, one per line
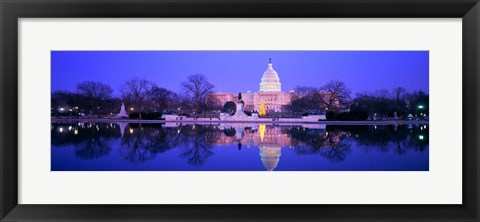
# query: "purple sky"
[239,71]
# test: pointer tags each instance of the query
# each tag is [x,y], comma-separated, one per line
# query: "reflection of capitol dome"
[270,81]
[270,157]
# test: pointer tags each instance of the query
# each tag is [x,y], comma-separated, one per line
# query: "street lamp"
[419,107]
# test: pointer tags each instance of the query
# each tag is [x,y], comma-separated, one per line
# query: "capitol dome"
[270,81]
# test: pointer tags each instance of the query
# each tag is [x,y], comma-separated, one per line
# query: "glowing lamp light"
[75,132]
[420,137]
[131,131]
[420,106]
[131,109]
[60,129]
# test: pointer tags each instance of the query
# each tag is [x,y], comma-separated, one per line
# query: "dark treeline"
[143,99]
[396,103]
[335,100]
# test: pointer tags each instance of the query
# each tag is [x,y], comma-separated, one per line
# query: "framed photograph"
[269,110]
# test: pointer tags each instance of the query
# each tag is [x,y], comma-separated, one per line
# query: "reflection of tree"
[161,139]
[93,148]
[331,145]
[339,150]
[334,143]
[133,146]
[230,132]
[142,142]
[64,133]
[197,150]
[399,138]
[91,140]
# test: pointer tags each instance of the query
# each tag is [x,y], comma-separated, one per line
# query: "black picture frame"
[11,11]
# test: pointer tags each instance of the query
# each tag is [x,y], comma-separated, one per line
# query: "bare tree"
[95,92]
[136,92]
[95,89]
[197,87]
[399,93]
[335,92]
[161,98]
[304,90]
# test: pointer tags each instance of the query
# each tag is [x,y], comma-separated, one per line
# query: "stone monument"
[239,107]
[123,113]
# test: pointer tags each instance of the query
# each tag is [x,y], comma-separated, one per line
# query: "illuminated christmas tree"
[262,111]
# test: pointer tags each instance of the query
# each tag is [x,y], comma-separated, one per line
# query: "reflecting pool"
[122,146]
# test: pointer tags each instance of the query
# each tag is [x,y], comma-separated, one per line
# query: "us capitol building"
[270,94]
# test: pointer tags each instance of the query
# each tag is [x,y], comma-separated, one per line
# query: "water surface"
[101,146]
